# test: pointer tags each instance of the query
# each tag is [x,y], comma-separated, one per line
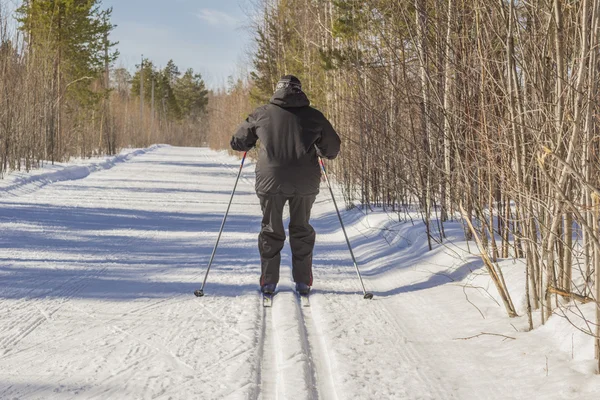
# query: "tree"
[72,35]
[191,94]
[121,81]
[150,74]
[171,73]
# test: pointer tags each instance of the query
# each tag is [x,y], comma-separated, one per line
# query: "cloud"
[215,17]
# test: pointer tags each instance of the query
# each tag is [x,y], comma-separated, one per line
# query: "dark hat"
[289,81]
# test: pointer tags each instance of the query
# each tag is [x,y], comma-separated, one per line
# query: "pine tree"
[165,92]
[171,72]
[191,94]
[150,74]
[73,36]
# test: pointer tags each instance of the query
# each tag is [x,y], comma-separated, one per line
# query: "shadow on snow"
[119,267]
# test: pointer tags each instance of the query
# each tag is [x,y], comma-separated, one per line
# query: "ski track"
[288,353]
[98,268]
[319,376]
[286,370]
[267,367]
[310,372]
[30,318]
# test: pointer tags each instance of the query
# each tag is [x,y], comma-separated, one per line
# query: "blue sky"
[210,36]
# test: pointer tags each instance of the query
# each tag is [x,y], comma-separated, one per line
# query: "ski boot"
[269,288]
[302,288]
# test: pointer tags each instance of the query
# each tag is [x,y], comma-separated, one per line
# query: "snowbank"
[19,182]
[456,263]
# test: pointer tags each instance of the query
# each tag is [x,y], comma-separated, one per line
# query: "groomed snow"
[99,261]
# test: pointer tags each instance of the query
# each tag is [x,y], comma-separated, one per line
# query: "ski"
[304,300]
[267,299]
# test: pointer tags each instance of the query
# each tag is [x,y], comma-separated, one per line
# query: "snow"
[100,259]
[19,182]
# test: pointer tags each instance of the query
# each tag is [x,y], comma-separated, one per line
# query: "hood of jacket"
[286,98]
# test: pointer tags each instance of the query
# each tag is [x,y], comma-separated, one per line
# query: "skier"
[292,134]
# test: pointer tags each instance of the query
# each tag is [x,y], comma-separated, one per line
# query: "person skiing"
[292,136]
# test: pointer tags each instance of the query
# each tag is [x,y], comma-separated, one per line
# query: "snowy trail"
[97,272]
[96,279]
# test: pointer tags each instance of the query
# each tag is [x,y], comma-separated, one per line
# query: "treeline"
[61,95]
[486,110]
[174,103]
[227,107]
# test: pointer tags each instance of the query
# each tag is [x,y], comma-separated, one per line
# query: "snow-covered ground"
[98,264]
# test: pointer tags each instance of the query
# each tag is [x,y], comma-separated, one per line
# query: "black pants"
[272,237]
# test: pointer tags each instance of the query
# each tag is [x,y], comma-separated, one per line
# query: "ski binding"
[267,299]
[304,301]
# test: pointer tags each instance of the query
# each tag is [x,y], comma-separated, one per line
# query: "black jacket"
[288,129]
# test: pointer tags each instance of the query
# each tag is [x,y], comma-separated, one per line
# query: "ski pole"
[200,292]
[366,294]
